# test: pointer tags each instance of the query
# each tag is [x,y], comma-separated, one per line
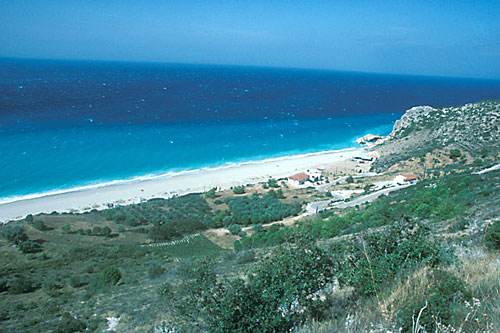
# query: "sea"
[73,125]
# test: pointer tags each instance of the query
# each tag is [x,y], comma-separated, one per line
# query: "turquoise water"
[64,125]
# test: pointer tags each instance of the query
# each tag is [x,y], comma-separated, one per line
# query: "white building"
[405,179]
[298,179]
[314,174]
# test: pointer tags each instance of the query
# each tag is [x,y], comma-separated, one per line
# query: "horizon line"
[251,66]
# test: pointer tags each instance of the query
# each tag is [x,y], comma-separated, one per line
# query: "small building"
[405,179]
[298,179]
[314,174]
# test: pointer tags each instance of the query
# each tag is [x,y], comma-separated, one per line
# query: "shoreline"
[165,185]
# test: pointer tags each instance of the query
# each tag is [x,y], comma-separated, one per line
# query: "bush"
[29,218]
[493,235]
[40,225]
[96,231]
[269,300]
[110,276]
[454,154]
[379,257]
[210,194]
[22,285]
[68,323]
[15,234]
[175,229]
[66,229]
[271,182]
[239,190]
[106,231]
[442,298]
[478,162]
[30,246]
[350,180]
[155,271]
[234,229]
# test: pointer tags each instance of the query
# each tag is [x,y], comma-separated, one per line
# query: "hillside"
[423,258]
[473,129]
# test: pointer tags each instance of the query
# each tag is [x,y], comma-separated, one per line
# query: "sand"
[130,193]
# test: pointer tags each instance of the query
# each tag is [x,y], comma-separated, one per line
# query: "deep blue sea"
[67,124]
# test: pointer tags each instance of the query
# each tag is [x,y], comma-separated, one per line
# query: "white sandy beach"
[129,193]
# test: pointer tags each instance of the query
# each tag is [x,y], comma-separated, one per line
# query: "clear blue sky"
[450,38]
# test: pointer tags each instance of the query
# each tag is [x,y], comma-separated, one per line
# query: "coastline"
[130,191]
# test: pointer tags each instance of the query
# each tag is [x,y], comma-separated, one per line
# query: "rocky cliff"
[471,128]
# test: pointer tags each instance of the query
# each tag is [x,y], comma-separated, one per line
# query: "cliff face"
[422,129]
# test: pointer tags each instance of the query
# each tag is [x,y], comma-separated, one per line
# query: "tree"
[350,180]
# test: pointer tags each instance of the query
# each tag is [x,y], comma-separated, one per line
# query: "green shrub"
[234,229]
[52,288]
[478,162]
[15,234]
[96,231]
[442,299]
[40,225]
[22,285]
[29,218]
[110,276]
[271,182]
[175,229]
[280,294]
[492,236]
[374,261]
[210,194]
[239,190]
[66,229]
[30,246]
[350,180]
[68,323]
[454,154]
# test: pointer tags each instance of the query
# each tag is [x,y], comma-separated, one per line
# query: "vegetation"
[424,258]
[257,209]
[239,190]
[269,300]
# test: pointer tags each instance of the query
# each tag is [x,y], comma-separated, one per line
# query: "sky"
[444,38]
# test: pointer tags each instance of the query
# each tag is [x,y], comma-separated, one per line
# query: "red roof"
[299,177]
[410,177]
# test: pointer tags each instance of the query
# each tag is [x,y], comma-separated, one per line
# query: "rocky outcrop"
[471,128]
[369,138]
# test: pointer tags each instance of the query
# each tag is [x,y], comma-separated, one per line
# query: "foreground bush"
[492,236]
[15,234]
[437,305]
[368,263]
[110,276]
[282,293]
